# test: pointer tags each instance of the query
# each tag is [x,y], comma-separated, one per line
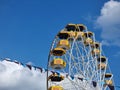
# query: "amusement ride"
[77,62]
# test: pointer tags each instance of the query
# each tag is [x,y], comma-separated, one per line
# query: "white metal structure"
[85,65]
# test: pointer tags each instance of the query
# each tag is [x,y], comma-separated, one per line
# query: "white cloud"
[17,77]
[109,22]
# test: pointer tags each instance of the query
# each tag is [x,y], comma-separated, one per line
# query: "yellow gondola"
[108,82]
[88,41]
[71,27]
[95,51]
[63,44]
[75,31]
[58,63]
[55,88]
[95,45]
[102,59]
[102,66]
[55,77]
[72,34]
[80,27]
[58,51]
[108,75]
[63,35]
[88,38]
[79,35]
[88,34]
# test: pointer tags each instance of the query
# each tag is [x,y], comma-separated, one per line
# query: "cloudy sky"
[18,77]
[27,28]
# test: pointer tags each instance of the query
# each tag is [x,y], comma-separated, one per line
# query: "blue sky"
[27,28]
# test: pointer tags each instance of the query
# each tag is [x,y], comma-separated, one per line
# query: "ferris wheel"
[76,61]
